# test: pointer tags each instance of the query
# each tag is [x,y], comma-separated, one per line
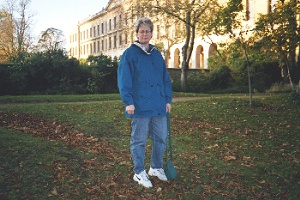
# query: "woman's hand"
[168,107]
[130,109]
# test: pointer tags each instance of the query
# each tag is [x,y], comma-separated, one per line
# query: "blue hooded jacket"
[144,82]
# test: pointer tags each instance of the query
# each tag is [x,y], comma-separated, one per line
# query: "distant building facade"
[110,32]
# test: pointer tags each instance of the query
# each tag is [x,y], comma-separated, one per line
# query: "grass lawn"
[77,147]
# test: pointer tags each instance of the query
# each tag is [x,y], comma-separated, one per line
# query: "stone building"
[110,32]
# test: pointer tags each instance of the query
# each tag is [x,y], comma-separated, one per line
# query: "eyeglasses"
[144,31]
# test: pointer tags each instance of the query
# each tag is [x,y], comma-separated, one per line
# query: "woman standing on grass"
[146,90]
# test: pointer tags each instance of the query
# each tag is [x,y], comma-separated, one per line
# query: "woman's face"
[144,34]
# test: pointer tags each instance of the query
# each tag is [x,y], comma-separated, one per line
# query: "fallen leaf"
[228,158]
[54,192]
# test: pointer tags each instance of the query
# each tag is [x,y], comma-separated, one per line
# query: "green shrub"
[221,78]
[280,87]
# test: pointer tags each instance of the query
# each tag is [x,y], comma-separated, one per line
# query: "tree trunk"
[289,75]
[184,64]
[249,75]
[298,89]
[184,67]
[183,78]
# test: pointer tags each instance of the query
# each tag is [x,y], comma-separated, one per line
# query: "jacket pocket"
[142,98]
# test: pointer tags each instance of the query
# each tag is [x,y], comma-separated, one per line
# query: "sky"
[61,14]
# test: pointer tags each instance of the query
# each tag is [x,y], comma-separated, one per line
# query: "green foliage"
[224,21]
[19,73]
[198,82]
[104,71]
[263,72]
[201,81]
[233,58]
[221,79]
[47,72]
[160,46]
[277,37]
[52,72]
[279,87]
[276,40]
[4,79]
[264,75]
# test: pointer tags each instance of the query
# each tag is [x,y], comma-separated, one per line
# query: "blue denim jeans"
[157,129]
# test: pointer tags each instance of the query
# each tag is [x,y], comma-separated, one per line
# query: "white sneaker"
[143,179]
[159,173]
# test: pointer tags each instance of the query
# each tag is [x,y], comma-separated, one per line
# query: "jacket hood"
[152,47]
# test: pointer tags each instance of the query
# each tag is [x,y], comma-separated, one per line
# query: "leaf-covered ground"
[223,149]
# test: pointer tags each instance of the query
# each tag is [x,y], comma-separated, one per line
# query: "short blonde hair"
[143,21]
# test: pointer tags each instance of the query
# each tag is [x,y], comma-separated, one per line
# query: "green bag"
[169,168]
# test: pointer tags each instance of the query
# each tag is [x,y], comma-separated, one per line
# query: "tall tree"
[228,22]
[186,14]
[23,23]
[51,39]
[6,35]
[16,18]
[279,37]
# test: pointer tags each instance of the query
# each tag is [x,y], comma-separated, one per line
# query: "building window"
[95,47]
[120,40]
[98,29]
[102,28]
[98,46]
[109,25]
[91,32]
[199,57]
[102,45]
[176,58]
[115,41]
[115,22]
[94,31]
[212,50]
[109,43]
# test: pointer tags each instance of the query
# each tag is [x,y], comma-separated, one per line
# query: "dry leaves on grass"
[115,184]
